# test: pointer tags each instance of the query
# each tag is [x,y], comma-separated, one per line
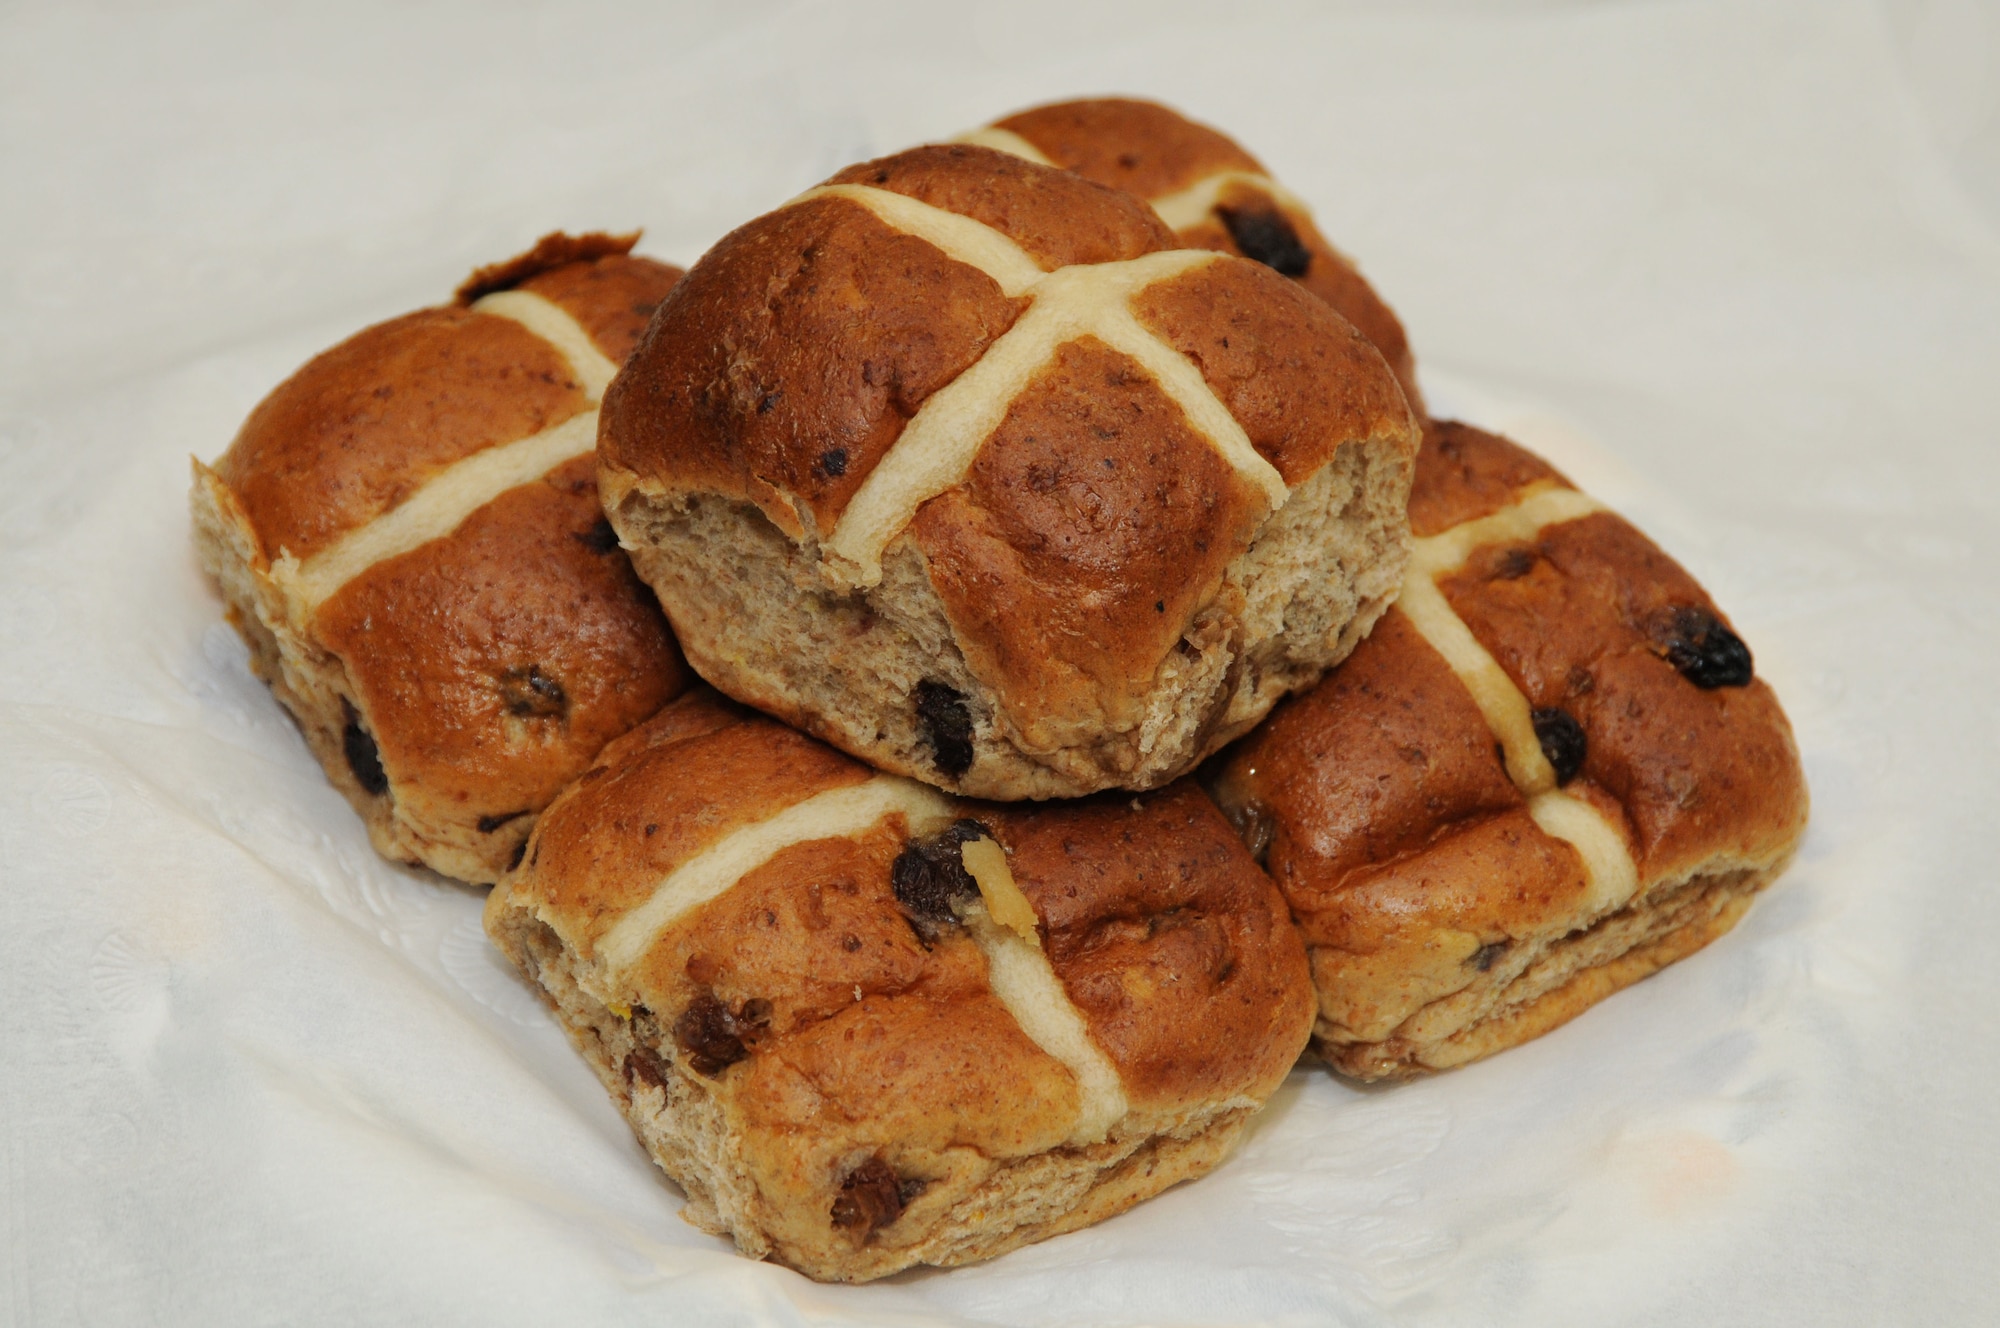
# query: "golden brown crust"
[1141,147]
[612,298]
[788,361]
[1094,524]
[555,250]
[1394,833]
[1251,222]
[1400,935]
[361,426]
[1577,972]
[452,683]
[1295,376]
[1467,473]
[1154,152]
[1367,767]
[1168,939]
[605,852]
[937,1067]
[1574,617]
[808,1032]
[762,940]
[1058,218]
[1445,920]
[493,663]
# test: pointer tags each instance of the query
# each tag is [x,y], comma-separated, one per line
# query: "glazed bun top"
[1213,193]
[857,354]
[527,346]
[412,519]
[1141,147]
[713,857]
[926,344]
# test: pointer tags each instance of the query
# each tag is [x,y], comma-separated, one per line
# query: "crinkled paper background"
[1733,265]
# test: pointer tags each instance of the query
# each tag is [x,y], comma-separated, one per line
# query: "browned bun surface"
[561,256]
[955,463]
[408,534]
[362,426]
[837,1039]
[1457,897]
[1141,147]
[801,344]
[1219,197]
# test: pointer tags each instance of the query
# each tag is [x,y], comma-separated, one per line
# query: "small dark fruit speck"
[1563,741]
[1265,236]
[363,757]
[929,876]
[600,538]
[531,693]
[1697,644]
[946,723]
[870,1197]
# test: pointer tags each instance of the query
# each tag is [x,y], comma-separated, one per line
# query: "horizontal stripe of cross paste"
[1607,859]
[443,502]
[1539,505]
[437,508]
[1192,205]
[1018,972]
[834,814]
[1004,140]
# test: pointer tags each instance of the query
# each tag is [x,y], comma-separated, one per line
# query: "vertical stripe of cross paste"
[1002,925]
[1607,860]
[937,447]
[834,814]
[1506,710]
[553,324]
[1499,700]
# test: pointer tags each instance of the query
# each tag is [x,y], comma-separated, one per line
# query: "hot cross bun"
[866,1025]
[408,536]
[1549,772]
[1211,192]
[957,462]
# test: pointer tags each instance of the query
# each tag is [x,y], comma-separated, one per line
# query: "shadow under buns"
[1548,773]
[958,464]
[1212,193]
[857,1044]
[407,534]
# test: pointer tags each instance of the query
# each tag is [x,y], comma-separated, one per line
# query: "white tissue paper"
[1725,263]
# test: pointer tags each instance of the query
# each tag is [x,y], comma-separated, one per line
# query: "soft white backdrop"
[1734,265]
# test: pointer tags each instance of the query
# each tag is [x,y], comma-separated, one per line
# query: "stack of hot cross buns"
[958,690]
